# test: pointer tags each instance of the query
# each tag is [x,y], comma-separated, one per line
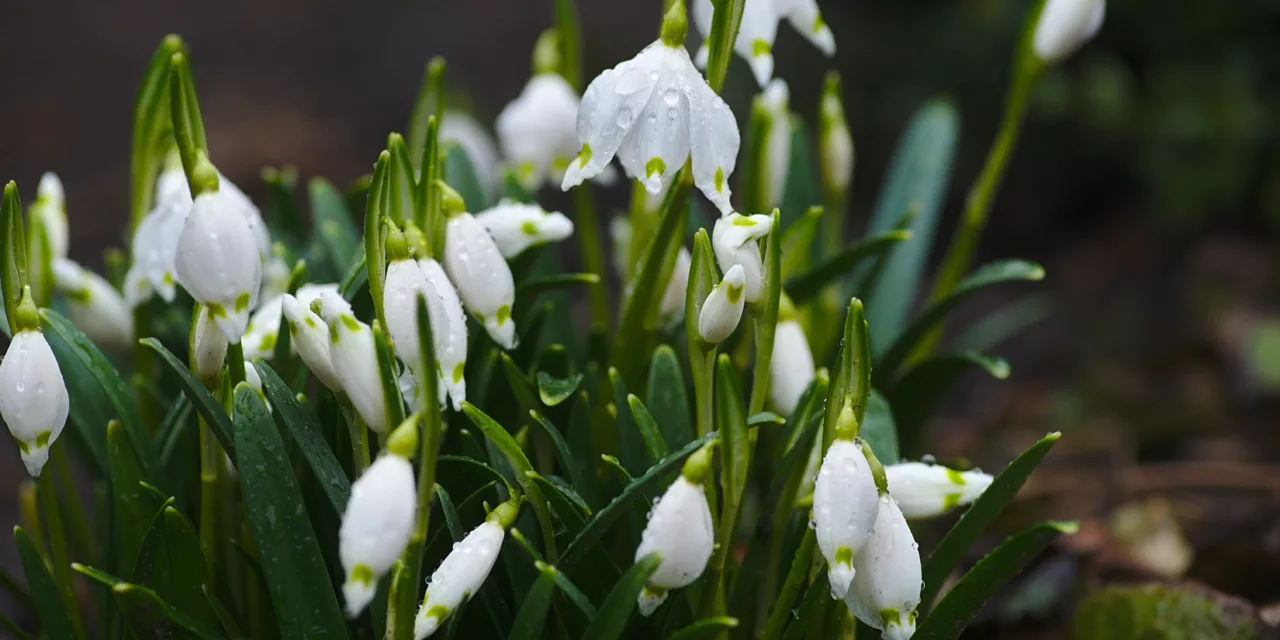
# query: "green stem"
[58,556]
[144,370]
[704,390]
[235,363]
[724,32]
[82,537]
[209,459]
[359,445]
[790,587]
[592,257]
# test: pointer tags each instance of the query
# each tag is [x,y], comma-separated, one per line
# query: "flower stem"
[209,450]
[359,445]
[790,587]
[144,370]
[592,257]
[82,538]
[58,557]
[235,363]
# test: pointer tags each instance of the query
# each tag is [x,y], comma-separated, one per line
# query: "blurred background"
[1147,182]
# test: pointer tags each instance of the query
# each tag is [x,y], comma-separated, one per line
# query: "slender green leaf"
[702,356]
[618,606]
[947,555]
[552,391]
[375,260]
[571,513]
[147,615]
[171,429]
[305,429]
[706,628]
[631,444]
[765,417]
[428,104]
[458,462]
[531,288]
[764,315]
[151,128]
[917,181]
[332,225]
[55,619]
[805,286]
[16,632]
[958,608]
[188,567]
[304,602]
[356,278]
[880,430]
[667,399]
[797,238]
[732,422]
[924,389]
[401,181]
[648,428]
[205,404]
[851,379]
[724,33]
[225,618]
[569,28]
[533,610]
[812,608]
[576,470]
[780,612]
[134,506]
[1005,322]
[460,173]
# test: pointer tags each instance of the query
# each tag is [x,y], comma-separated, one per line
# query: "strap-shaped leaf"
[923,389]
[552,391]
[460,173]
[576,469]
[532,615]
[375,259]
[706,628]
[306,431]
[618,606]
[171,562]
[147,615]
[55,618]
[702,356]
[765,316]
[205,404]
[151,127]
[880,430]
[135,507]
[332,225]
[667,399]
[802,288]
[851,377]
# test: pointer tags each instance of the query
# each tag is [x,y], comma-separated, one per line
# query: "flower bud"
[155,241]
[208,348]
[51,207]
[310,337]
[1064,27]
[927,490]
[448,332]
[375,527]
[400,292]
[723,308]
[464,570]
[94,306]
[791,368]
[776,154]
[33,397]
[254,381]
[516,226]
[476,267]
[734,241]
[844,508]
[674,295]
[835,143]
[886,589]
[218,261]
[681,532]
[351,351]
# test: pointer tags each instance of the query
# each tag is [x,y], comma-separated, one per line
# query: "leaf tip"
[1066,527]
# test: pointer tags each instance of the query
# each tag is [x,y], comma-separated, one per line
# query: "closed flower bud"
[654,112]
[791,368]
[723,307]
[375,527]
[674,295]
[477,269]
[537,130]
[516,226]
[352,355]
[886,589]
[155,241]
[777,142]
[208,348]
[681,532]
[734,241]
[51,207]
[927,490]
[310,337]
[1064,27]
[835,143]
[94,305]
[844,508]
[400,292]
[33,397]
[218,261]
[448,332]
[464,570]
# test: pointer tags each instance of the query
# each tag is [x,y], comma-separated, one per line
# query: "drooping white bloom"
[759,28]
[777,141]
[237,199]
[264,329]
[463,571]
[791,368]
[94,305]
[310,337]
[33,397]
[1064,27]
[734,241]
[218,261]
[459,128]
[723,308]
[654,112]
[536,130]
[155,241]
[400,292]
[680,529]
[448,332]
[835,143]
[844,509]
[886,589]
[275,275]
[927,490]
[352,355]
[674,295]
[477,269]
[375,527]
[517,226]
[208,346]
[51,207]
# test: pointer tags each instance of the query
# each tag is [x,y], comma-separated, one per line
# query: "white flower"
[674,295]
[264,329]
[218,261]
[777,141]
[759,27]
[536,130]
[233,196]
[459,128]
[375,527]
[791,368]
[806,19]
[33,398]
[51,207]
[680,530]
[516,226]
[254,381]
[734,241]
[463,571]
[654,112]
[448,332]
[155,241]
[208,346]
[620,236]
[1064,27]
[351,352]
[94,305]
[835,143]
[844,509]
[723,308]
[310,337]
[477,269]
[400,292]
[276,274]
[927,490]
[886,589]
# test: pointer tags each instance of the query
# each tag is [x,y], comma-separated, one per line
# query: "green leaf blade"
[55,619]
[305,428]
[611,619]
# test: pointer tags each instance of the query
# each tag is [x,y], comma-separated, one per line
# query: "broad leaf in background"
[667,400]
[205,404]
[55,619]
[880,429]
[460,173]
[147,615]
[332,228]
[305,430]
[616,610]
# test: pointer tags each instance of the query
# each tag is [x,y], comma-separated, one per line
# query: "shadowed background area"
[1147,182]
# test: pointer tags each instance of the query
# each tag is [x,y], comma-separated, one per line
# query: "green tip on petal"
[403,441]
[451,201]
[675,25]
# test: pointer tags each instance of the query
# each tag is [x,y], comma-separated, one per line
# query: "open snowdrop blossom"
[654,112]
[95,307]
[723,308]
[219,262]
[352,355]
[464,570]
[734,240]
[208,348]
[34,402]
[791,369]
[400,291]
[1065,26]
[536,130]
[448,332]
[680,531]
[844,504]
[759,28]
[476,267]
[926,490]
[886,588]
[310,337]
[516,226]
[155,241]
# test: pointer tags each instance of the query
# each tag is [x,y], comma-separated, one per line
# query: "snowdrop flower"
[516,226]
[844,504]
[1064,27]
[310,336]
[236,198]
[759,27]
[927,490]
[734,241]
[155,241]
[218,261]
[352,355]
[276,274]
[723,308]
[264,329]
[654,112]
[773,102]
[806,19]
[791,368]
[94,305]
[680,531]
[886,588]
[536,130]
[51,208]
[400,291]
[674,295]
[476,267]
[33,397]
[835,143]
[208,348]
[460,129]
[375,527]
[254,381]
[464,570]
[448,332]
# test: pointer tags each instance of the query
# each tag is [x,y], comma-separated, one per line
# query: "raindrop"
[20,386]
[671,96]
[672,113]
[625,118]
[929,459]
